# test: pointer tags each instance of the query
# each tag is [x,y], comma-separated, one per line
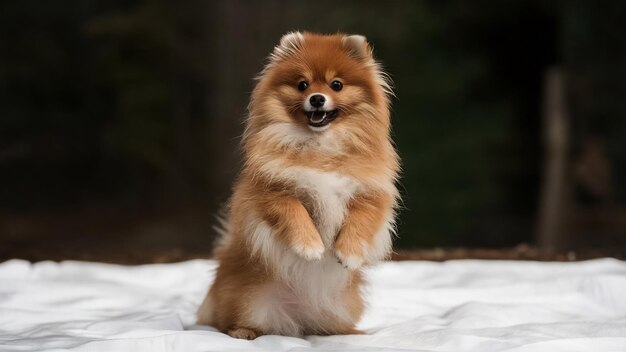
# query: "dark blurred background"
[120,120]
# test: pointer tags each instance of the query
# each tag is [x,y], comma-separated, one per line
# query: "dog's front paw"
[349,261]
[309,250]
[349,253]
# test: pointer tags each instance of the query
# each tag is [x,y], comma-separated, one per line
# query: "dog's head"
[320,83]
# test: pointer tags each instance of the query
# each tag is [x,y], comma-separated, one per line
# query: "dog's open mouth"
[321,118]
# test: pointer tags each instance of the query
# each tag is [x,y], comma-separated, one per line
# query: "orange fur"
[312,205]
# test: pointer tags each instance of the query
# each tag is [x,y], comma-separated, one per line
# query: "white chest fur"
[325,195]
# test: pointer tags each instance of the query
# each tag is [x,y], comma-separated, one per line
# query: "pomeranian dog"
[315,201]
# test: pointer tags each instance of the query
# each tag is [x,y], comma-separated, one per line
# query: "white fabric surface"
[464,305]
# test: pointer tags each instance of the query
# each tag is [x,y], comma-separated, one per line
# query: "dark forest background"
[120,120]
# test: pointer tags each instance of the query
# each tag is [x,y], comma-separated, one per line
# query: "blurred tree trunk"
[191,84]
[236,62]
[554,188]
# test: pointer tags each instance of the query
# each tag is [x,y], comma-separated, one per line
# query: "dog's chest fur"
[326,196]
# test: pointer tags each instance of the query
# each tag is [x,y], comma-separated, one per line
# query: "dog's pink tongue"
[317,118]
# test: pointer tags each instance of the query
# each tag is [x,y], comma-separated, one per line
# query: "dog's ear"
[357,46]
[289,44]
[291,40]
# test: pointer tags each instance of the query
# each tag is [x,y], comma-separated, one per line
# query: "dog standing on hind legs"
[315,201]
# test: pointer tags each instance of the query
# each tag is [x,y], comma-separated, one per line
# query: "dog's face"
[321,83]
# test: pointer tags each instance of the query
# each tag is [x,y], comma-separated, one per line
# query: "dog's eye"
[302,86]
[336,85]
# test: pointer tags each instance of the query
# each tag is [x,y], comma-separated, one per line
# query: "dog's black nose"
[317,100]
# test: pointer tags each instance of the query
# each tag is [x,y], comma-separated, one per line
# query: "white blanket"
[463,305]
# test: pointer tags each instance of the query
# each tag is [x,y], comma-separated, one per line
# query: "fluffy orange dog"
[315,200]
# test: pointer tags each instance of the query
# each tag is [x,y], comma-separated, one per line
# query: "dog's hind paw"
[243,333]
